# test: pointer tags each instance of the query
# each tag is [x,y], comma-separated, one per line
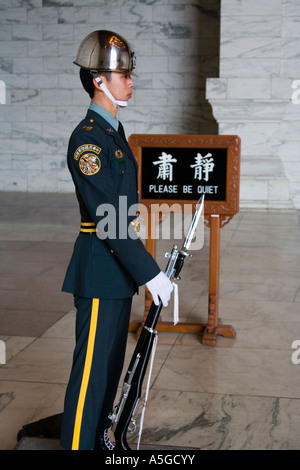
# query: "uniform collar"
[103,123]
[105,114]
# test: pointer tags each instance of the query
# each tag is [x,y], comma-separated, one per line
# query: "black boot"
[102,441]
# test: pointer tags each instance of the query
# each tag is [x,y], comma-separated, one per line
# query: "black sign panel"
[184,173]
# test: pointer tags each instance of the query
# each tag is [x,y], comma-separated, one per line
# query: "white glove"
[160,286]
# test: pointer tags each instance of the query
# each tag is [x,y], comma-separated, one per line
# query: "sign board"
[176,170]
[183,167]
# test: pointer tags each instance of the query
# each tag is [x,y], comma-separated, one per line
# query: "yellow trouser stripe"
[86,374]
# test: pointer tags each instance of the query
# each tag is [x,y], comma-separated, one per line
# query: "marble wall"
[199,72]
[177,46]
[257,97]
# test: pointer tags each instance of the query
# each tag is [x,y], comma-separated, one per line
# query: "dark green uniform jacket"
[104,172]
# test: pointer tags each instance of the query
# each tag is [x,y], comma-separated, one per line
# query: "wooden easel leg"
[214,328]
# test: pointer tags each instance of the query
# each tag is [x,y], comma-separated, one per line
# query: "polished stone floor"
[243,393]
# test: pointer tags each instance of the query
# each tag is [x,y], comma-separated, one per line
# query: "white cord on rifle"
[147,390]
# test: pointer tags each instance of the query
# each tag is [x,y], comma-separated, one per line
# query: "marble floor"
[243,393]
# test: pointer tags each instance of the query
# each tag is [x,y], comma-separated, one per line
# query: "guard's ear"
[97,81]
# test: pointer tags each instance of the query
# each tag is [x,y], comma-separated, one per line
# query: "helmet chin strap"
[104,88]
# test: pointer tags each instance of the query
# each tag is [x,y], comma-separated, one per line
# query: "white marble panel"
[12,180]
[290,48]
[172,12]
[282,88]
[251,26]
[152,128]
[29,97]
[290,130]
[246,110]
[13,15]
[280,190]
[15,81]
[137,13]
[291,26]
[256,47]
[30,32]
[28,162]
[42,15]
[168,47]
[56,97]
[216,88]
[109,12]
[168,81]
[247,7]
[40,80]
[5,32]
[27,65]
[71,113]
[151,97]
[5,161]
[70,15]
[186,64]
[5,130]
[257,138]
[262,167]
[13,48]
[56,65]
[9,112]
[43,49]
[290,68]
[57,32]
[249,88]
[153,64]
[66,80]
[45,181]
[290,151]
[250,67]
[290,8]
[65,185]
[42,145]
[41,114]
[187,98]
[255,190]
[172,114]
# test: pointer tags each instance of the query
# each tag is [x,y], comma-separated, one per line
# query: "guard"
[107,265]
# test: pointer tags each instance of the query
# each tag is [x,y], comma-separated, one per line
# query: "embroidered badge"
[87,128]
[89,164]
[86,147]
[119,154]
[110,130]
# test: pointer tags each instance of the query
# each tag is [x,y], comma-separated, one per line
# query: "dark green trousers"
[101,337]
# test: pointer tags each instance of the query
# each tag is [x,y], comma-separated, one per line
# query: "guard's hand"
[160,286]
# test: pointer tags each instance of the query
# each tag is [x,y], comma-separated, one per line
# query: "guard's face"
[120,85]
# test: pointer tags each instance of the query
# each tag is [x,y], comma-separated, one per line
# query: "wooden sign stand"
[216,214]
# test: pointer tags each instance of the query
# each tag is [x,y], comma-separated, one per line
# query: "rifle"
[123,412]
